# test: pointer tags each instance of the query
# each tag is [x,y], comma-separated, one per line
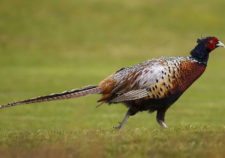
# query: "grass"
[51,46]
[104,143]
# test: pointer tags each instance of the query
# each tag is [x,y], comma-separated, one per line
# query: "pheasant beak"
[220,44]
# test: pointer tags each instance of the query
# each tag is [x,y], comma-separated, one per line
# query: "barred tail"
[74,93]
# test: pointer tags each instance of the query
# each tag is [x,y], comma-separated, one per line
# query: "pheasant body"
[159,77]
[153,85]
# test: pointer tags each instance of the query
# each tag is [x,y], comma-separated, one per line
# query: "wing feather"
[131,95]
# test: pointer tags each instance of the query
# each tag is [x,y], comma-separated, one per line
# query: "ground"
[52,46]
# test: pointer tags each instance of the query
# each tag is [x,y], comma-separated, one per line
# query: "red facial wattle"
[212,43]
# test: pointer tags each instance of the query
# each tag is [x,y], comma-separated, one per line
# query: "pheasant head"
[204,47]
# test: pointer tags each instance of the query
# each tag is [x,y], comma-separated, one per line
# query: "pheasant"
[153,85]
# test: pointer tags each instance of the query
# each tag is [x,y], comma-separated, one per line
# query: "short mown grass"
[51,46]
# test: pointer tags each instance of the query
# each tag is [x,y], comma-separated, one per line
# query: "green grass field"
[52,46]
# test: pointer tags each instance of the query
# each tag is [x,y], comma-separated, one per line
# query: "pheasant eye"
[212,42]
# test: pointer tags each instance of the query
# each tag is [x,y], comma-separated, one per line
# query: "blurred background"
[52,46]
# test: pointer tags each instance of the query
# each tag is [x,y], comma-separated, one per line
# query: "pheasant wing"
[151,80]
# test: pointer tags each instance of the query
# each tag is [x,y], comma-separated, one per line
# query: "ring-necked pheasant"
[153,85]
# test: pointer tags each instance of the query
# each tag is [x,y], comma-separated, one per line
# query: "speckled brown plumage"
[153,85]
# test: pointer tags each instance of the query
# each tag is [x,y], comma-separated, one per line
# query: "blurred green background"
[51,46]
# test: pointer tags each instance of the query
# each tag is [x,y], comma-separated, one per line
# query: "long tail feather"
[74,93]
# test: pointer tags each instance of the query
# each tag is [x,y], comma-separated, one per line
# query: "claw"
[162,124]
[118,126]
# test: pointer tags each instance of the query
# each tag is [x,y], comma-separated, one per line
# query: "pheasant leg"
[123,122]
[160,118]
